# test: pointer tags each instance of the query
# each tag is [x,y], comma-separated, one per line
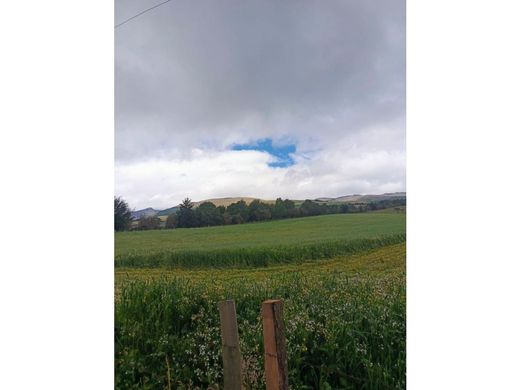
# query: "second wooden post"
[230,347]
[276,371]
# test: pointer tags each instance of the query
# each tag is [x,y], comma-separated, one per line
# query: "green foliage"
[309,208]
[344,314]
[208,214]
[172,221]
[254,257]
[237,219]
[283,209]
[259,211]
[344,330]
[186,204]
[186,216]
[295,212]
[122,215]
[238,209]
[149,223]
[288,233]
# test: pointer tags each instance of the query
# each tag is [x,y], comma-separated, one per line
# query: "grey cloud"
[210,73]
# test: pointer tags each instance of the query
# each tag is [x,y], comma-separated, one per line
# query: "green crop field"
[259,244]
[343,293]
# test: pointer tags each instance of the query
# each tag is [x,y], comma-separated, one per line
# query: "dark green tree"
[208,214]
[289,204]
[259,211]
[292,210]
[239,208]
[372,206]
[186,215]
[237,219]
[294,213]
[280,209]
[227,219]
[149,223]
[345,208]
[309,208]
[172,221]
[122,214]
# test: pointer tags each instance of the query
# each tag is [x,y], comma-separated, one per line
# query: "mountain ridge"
[226,201]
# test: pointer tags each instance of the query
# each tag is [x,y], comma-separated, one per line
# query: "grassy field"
[390,210]
[260,244]
[345,323]
[286,231]
[380,261]
[344,315]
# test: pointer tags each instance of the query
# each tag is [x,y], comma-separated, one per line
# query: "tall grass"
[342,332]
[252,257]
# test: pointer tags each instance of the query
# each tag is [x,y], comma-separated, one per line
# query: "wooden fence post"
[230,347]
[276,372]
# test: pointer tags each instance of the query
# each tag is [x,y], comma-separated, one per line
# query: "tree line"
[208,214]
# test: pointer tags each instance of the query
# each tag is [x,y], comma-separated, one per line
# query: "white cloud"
[206,174]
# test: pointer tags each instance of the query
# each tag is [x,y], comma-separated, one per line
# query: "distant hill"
[324,199]
[363,198]
[227,201]
[356,198]
[148,212]
[167,212]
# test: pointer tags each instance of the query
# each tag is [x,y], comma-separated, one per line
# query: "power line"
[140,13]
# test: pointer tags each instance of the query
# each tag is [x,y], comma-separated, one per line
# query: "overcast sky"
[297,99]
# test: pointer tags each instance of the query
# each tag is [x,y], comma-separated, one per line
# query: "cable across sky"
[140,13]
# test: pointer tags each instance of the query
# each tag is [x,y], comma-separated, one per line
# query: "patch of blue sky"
[282,152]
